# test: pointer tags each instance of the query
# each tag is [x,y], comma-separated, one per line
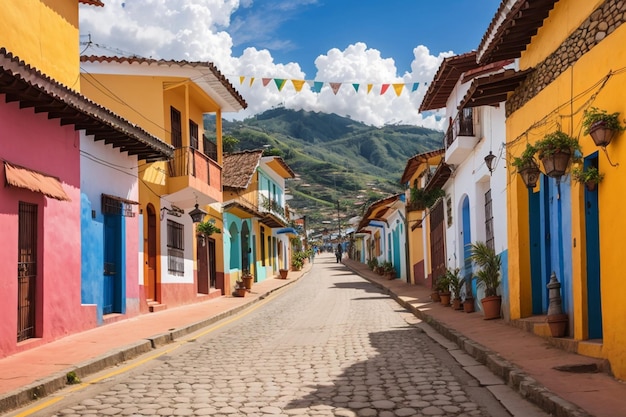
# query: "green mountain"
[334,157]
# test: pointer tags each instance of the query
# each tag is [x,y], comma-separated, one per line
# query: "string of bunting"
[316,86]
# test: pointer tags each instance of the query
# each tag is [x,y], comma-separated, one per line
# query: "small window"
[175,248]
[177,128]
[193,134]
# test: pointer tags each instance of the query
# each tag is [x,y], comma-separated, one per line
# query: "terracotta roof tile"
[239,167]
[445,79]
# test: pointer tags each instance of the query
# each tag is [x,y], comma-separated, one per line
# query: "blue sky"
[370,43]
[393,27]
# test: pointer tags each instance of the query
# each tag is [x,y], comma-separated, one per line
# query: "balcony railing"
[191,162]
[463,125]
[272,206]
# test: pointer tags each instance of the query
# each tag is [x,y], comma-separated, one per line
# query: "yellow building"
[170,99]
[52,26]
[256,217]
[418,171]
[575,52]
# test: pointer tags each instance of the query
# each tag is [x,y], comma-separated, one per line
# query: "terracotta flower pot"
[600,134]
[247,281]
[468,305]
[457,304]
[240,292]
[435,296]
[491,307]
[445,298]
[556,164]
[283,273]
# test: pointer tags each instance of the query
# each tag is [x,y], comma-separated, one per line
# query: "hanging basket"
[530,174]
[555,165]
[591,185]
[601,134]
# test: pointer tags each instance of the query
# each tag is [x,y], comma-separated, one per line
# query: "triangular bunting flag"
[251,81]
[398,88]
[356,87]
[384,88]
[297,84]
[369,88]
[415,85]
[335,87]
[241,78]
[266,81]
[317,86]
[280,83]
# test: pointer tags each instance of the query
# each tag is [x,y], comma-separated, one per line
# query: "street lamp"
[197,214]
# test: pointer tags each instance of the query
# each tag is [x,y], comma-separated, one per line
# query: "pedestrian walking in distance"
[339,252]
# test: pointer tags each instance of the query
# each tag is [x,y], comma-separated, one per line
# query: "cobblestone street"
[331,345]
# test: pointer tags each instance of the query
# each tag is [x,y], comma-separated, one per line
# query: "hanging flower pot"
[527,167]
[589,176]
[601,125]
[556,164]
[555,152]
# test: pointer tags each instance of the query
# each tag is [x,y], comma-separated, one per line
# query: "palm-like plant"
[489,263]
[455,281]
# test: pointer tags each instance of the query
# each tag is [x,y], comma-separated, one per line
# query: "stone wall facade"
[601,23]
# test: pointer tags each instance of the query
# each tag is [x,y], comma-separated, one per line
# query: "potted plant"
[297,261]
[443,286]
[589,176]
[388,270]
[207,228]
[555,151]
[372,264]
[455,283]
[434,294]
[240,289]
[488,277]
[601,125]
[283,273]
[527,167]
[247,279]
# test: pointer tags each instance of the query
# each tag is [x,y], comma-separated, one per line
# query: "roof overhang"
[511,29]
[278,165]
[287,231]
[19,82]
[92,2]
[493,89]
[378,209]
[440,176]
[416,161]
[445,80]
[203,74]
[272,220]
[241,209]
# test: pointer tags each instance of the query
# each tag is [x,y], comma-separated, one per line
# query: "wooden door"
[150,282]
[203,264]
[26,271]
[437,241]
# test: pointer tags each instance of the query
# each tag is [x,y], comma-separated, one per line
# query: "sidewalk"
[523,360]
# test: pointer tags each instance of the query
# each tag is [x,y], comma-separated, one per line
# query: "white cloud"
[198,30]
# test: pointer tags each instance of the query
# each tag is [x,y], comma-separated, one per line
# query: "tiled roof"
[415,161]
[445,79]
[493,89]
[92,2]
[377,209]
[31,88]
[210,76]
[511,29]
[239,167]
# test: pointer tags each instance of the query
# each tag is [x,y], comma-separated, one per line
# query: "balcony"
[193,176]
[273,212]
[460,137]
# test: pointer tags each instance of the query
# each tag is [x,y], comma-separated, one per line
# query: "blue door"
[112,278]
[592,239]
[397,263]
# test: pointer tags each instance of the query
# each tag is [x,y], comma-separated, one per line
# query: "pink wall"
[33,141]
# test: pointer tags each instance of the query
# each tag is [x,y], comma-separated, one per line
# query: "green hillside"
[335,158]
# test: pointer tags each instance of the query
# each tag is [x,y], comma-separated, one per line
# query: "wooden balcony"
[460,137]
[194,175]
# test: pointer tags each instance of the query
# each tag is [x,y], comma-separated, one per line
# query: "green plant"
[443,283]
[421,198]
[526,158]
[555,142]
[297,259]
[388,267]
[590,174]
[455,282]
[72,378]
[593,115]
[488,276]
[207,228]
[372,263]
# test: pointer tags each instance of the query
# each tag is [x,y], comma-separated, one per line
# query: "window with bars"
[175,248]
[177,128]
[489,240]
[193,134]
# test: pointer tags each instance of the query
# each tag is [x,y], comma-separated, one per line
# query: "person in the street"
[339,252]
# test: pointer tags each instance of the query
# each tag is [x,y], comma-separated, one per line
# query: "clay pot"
[491,307]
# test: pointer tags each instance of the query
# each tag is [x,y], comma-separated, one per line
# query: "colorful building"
[171,99]
[70,233]
[256,218]
[573,51]
[472,172]
[417,172]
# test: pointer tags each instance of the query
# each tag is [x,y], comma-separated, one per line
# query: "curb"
[526,386]
[57,381]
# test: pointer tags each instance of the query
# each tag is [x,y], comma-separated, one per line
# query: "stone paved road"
[330,345]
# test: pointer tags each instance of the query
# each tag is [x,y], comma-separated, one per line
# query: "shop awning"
[287,230]
[38,182]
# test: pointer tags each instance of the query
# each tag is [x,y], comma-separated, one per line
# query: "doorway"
[150,283]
